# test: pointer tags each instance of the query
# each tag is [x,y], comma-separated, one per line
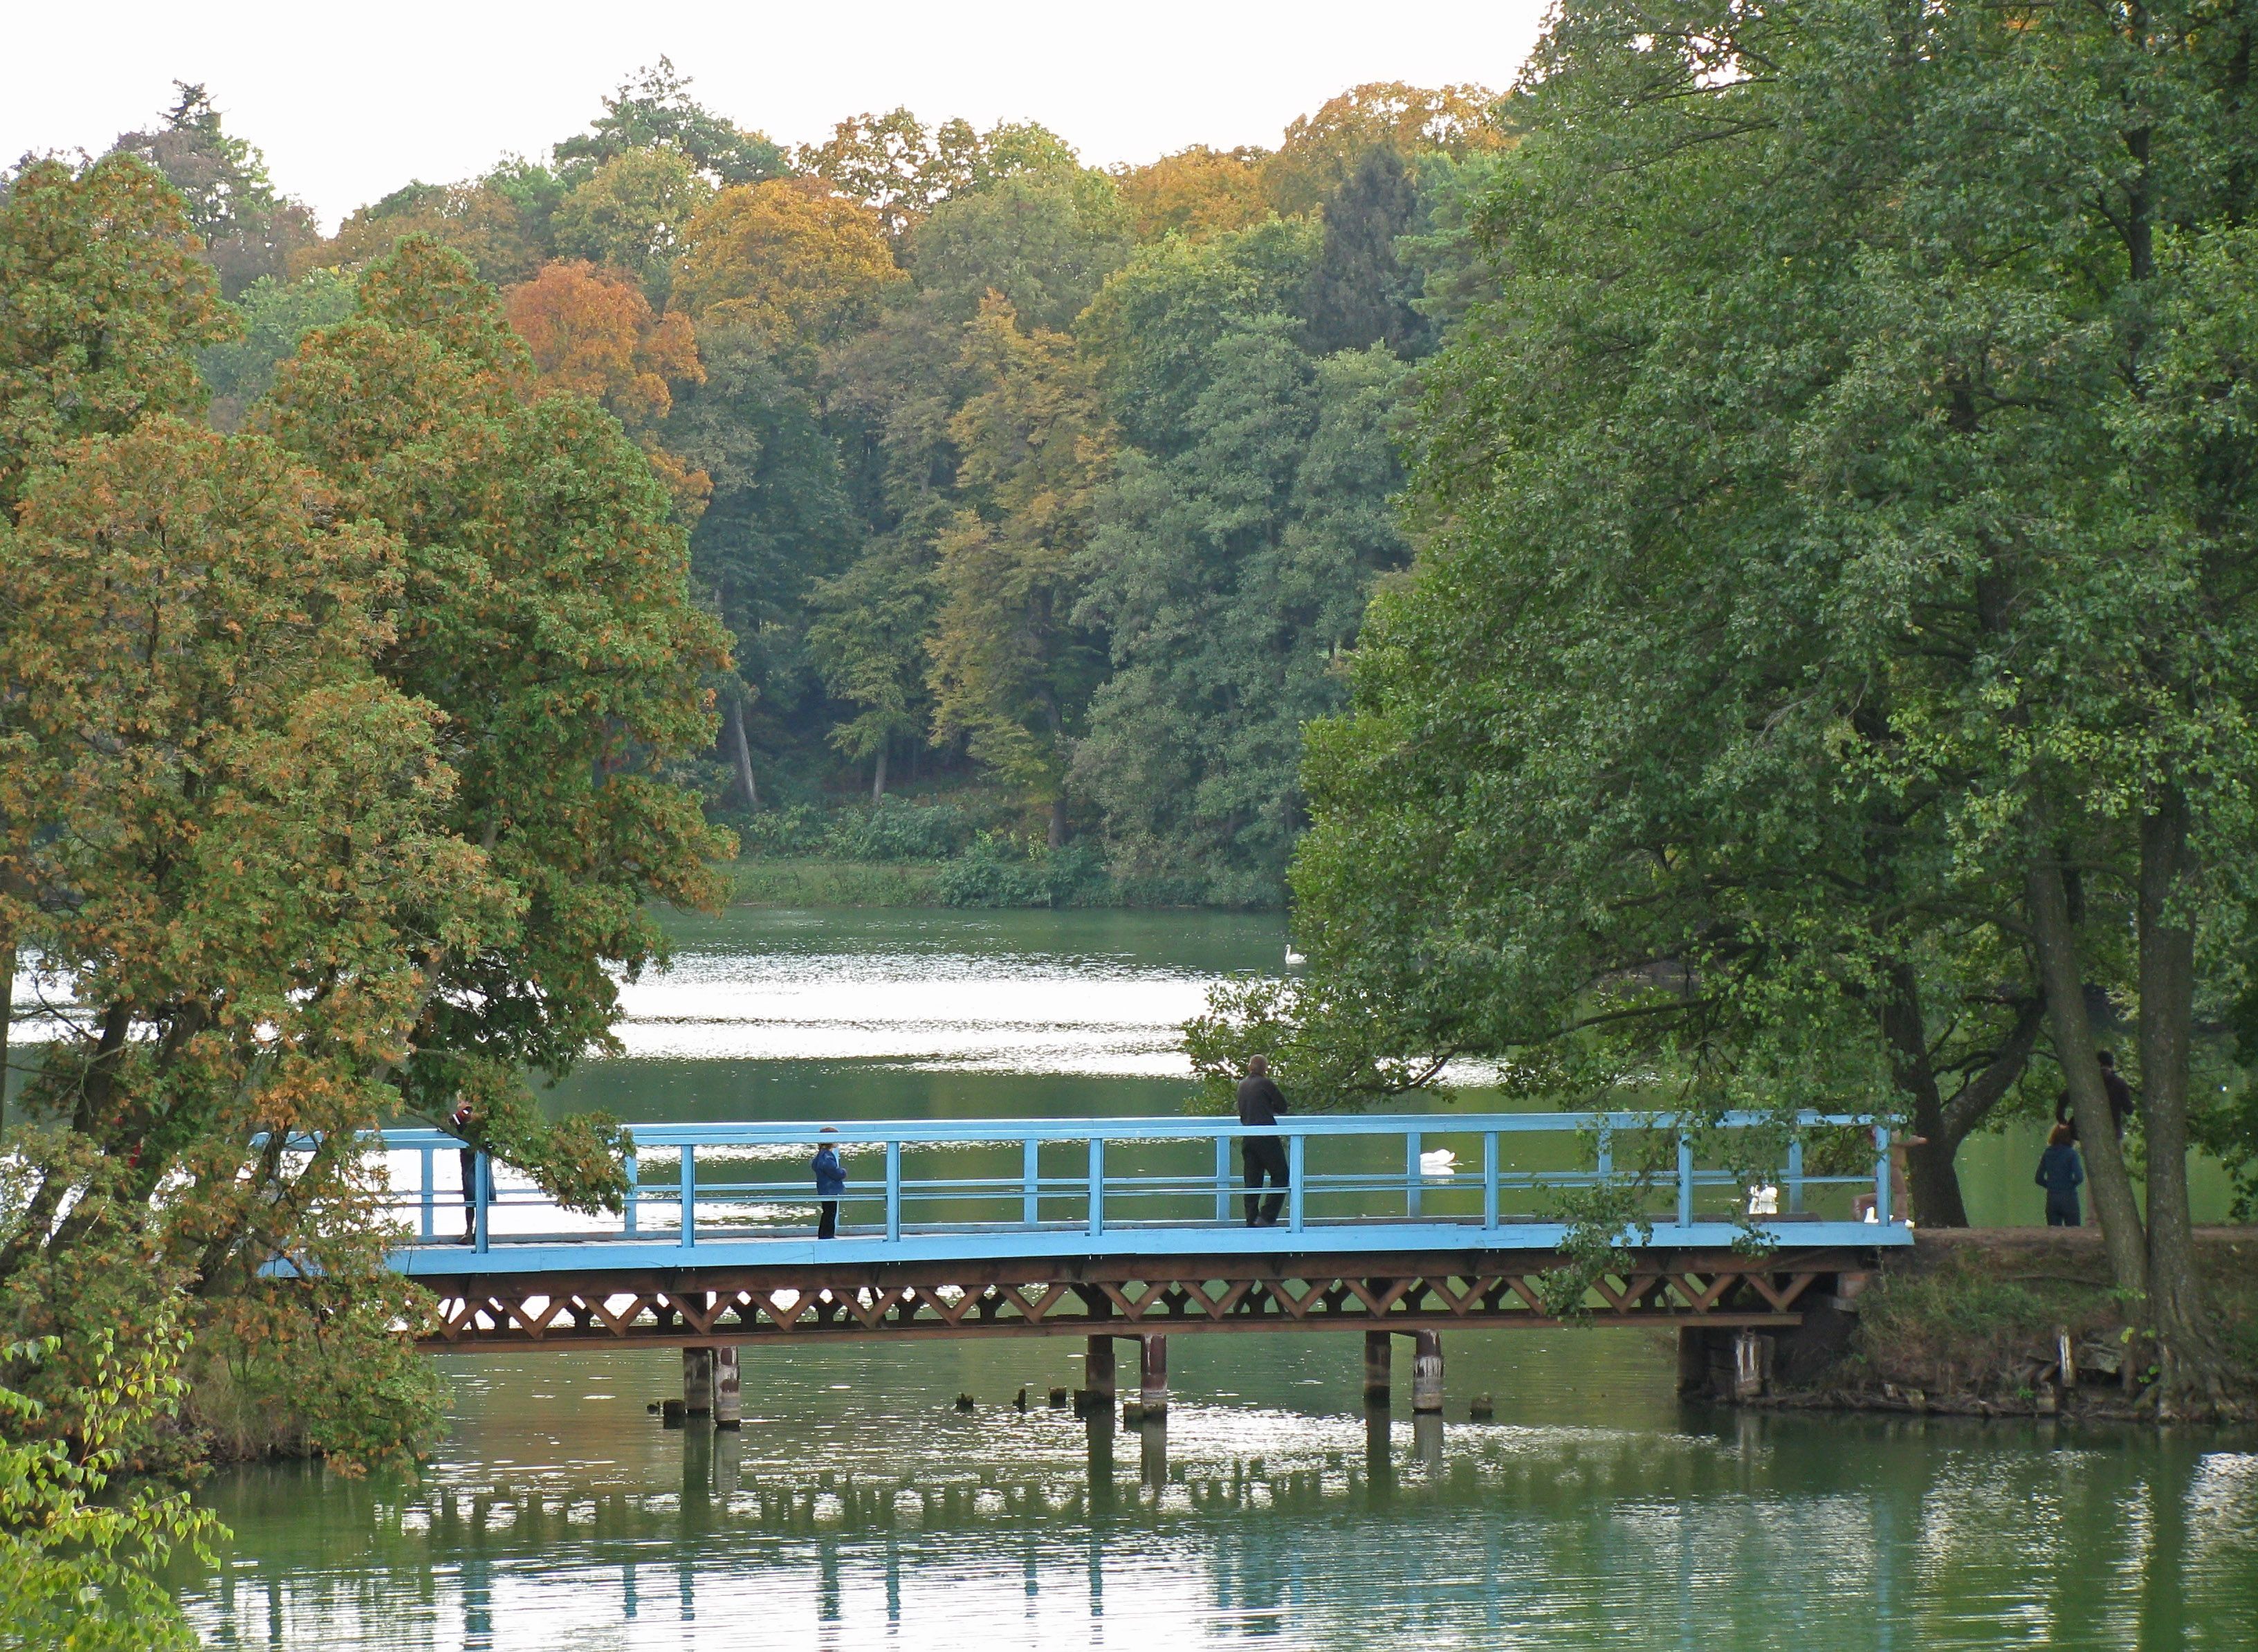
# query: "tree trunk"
[878,774]
[2187,1359]
[2048,906]
[7,1009]
[743,754]
[1058,823]
[1935,1184]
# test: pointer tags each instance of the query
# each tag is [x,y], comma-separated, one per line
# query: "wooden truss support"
[1076,1297]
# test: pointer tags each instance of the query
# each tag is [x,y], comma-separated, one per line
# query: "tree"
[1195,192]
[497,228]
[894,165]
[248,231]
[1044,240]
[1321,151]
[106,299]
[225,848]
[276,314]
[868,639]
[548,616]
[1011,669]
[1154,328]
[1360,294]
[590,334]
[780,522]
[1229,576]
[653,110]
[796,263]
[77,1568]
[631,214]
[1819,658]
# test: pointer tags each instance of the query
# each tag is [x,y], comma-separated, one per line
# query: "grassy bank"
[798,882]
[1977,1320]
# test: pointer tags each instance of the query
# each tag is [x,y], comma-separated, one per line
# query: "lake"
[858,1508]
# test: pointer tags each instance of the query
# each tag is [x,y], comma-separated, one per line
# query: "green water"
[858,1508]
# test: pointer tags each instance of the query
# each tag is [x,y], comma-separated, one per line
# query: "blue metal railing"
[1113,1178]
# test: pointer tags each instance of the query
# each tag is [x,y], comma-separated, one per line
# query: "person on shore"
[2120,1098]
[2060,1174]
[1259,1102]
[830,1183]
[463,1124]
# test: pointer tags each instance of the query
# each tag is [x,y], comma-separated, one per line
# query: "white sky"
[351,102]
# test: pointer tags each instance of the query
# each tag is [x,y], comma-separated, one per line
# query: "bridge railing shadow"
[911,1180]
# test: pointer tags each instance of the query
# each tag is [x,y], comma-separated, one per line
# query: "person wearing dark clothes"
[830,1183]
[2120,1097]
[460,1123]
[1259,1102]
[2059,1174]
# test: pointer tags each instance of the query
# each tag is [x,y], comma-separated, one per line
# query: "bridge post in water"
[728,1395]
[698,1381]
[1152,1376]
[1379,1346]
[1426,1370]
[1097,1373]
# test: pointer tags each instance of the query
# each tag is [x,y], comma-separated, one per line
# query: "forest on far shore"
[1040,501]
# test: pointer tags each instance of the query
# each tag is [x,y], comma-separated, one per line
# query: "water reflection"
[1256,1521]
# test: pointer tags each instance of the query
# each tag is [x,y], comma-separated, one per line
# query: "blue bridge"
[1136,1227]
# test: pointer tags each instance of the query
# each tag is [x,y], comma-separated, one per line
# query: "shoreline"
[2011,1323]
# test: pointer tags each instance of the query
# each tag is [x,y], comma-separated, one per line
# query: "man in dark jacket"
[2120,1097]
[1261,1103]
[830,1184]
[462,1123]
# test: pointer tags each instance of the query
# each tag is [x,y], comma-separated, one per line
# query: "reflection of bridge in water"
[1131,1228]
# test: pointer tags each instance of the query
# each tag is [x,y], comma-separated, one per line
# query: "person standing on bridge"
[830,1183]
[1259,1102]
[463,1124]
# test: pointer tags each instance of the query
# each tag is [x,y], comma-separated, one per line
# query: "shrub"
[798,830]
[996,871]
[894,830]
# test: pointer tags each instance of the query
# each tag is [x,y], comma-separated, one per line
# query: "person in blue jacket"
[2059,1174]
[830,1183]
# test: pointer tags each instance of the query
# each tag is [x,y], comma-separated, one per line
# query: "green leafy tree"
[631,213]
[106,298]
[653,110]
[1360,293]
[275,316]
[1154,328]
[538,551]
[226,852]
[1229,576]
[779,523]
[1011,670]
[1829,646]
[248,231]
[867,637]
[81,1567]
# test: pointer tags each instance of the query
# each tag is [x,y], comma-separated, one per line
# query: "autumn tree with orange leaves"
[592,333]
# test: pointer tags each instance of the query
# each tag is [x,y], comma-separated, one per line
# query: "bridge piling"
[728,1393]
[698,1381]
[1426,1371]
[1379,1346]
[1153,1377]
[1097,1391]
